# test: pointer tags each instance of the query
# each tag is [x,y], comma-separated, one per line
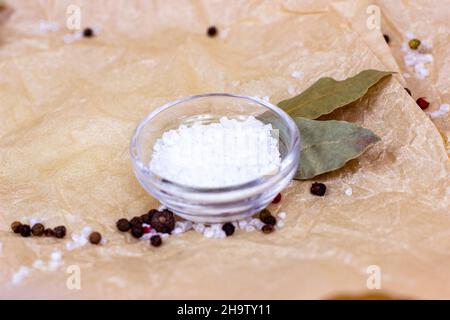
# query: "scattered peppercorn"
[95,237]
[387,38]
[423,104]
[409,91]
[25,230]
[277,199]
[88,33]
[38,229]
[269,219]
[156,241]
[15,226]
[228,228]
[318,189]
[137,231]
[123,225]
[136,221]
[163,221]
[146,218]
[267,228]
[212,31]
[414,44]
[49,232]
[264,213]
[60,232]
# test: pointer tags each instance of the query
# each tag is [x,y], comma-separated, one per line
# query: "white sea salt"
[45,26]
[21,274]
[348,191]
[282,215]
[291,90]
[226,153]
[443,110]
[296,74]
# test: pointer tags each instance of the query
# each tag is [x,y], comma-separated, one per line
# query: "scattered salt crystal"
[177,230]
[282,215]
[18,276]
[45,26]
[280,223]
[56,256]
[250,228]
[417,59]
[349,191]
[208,233]
[164,235]
[267,98]
[224,33]
[69,38]
[199,227]
[38,264]
[296,74]
[34,220]
[443,109]
[242,224]
[291,90]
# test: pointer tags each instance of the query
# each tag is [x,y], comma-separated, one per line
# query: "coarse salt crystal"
[18,276]
[34,220]
[349,191]
[296,74]
[291,90]
[280,223]
[217,154]
[38,264]
[282,215]
[208,233]
[250,228]
[443,109]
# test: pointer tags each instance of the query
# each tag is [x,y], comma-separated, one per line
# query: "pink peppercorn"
[147,229]
[277,198]
[423,104]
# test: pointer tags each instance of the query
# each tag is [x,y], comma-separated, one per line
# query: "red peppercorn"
[277,199]
[267,228]
[423,104]
[147,229]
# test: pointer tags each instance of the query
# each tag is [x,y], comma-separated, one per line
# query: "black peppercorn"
[268,228]
[163,221]
[25,230]
[156,241]
[88,32]
[49,232]
[123,225]
[60,232]
[137,231]
[146,218]
[136,221]
[409,91]
[95,237]
[38,229]
[15,226]
[228,228]
[269,220]
[264,213]
[318,189]
[387,38]
[212,31]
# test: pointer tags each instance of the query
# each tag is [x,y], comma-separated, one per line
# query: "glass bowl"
[214,205]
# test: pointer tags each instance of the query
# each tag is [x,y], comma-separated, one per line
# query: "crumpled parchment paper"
[69,109]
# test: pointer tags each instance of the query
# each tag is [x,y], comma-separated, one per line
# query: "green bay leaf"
[328,145]
[327,94]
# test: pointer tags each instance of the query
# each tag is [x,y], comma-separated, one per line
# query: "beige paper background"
[68,112]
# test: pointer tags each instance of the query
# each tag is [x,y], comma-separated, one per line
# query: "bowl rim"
[291,155]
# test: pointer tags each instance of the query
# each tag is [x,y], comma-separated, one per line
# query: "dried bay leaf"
[328,145]
[327,94]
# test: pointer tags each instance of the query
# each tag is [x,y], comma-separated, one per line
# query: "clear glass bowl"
[214,205]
